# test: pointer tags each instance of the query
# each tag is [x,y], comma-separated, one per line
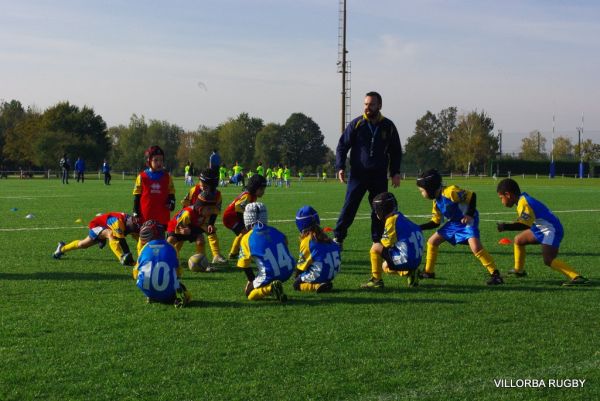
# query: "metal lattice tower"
[344,66]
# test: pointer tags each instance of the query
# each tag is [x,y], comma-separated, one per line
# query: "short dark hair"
[375,95]
[508,185]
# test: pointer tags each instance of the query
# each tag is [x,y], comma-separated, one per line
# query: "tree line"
[466,143]
[31,139]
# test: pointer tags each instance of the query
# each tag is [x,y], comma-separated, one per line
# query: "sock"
[486,260]
[519,257]
[260,293]
[200,248]
[376,262]
[235,247]
[432,252]
[213,242]
[563,268]
[116,248]
[70,246]
[309,286]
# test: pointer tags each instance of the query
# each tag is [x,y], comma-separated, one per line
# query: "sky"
[195,63]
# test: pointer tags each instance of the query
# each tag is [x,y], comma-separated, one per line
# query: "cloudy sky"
[201,62]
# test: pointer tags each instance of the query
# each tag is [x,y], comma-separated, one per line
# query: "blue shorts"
[456,232]
[548,235]
[95,232]
[400,261]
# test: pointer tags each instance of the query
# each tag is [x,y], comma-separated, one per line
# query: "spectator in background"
[106,172]
[214,162]
[65,166]
[80,169]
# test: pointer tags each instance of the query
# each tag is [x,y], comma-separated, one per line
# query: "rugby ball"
[198,262]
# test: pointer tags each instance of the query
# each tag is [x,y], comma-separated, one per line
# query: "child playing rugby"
[157,271]
[458,206]
[191,222]
[207,181]
[319,259]
[268,247]
[401,246]
[233,217]
[112,227]
[538,226]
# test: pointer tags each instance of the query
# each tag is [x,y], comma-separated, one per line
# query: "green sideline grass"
[79,329]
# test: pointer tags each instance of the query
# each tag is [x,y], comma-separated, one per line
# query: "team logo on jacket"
[155,188]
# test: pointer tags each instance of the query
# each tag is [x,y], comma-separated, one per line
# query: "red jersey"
[101,221]
[230,216]
[154,188]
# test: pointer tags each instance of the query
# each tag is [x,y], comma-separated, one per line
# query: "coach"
[375,149]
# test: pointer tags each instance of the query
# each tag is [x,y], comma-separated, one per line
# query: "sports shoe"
[127,259]
[277,291]
[182,296]
[325,287]
[516,273]
[373,283]
[210,269]
[426,275]
[579,280]
[413,278]
[219,259]
[495,279]
[340,242]
[57,254]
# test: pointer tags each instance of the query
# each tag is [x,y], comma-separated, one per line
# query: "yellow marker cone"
[78,221]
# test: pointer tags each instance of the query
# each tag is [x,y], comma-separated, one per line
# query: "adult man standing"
[106,172]
[375,150]
[80,169]
[65,165]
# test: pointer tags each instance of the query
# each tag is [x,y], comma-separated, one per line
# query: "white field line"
[36,196]
[322,219]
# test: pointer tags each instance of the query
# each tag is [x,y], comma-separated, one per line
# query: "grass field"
[79,329]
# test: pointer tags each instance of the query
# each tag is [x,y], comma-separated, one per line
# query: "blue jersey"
[268,247]
[157,270]
[545,225]
[403,241]
[452,205]
[318,261]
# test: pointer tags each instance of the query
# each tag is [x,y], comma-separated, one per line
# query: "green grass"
[79,329]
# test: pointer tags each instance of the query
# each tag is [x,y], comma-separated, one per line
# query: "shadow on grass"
[537,286]
[321,300]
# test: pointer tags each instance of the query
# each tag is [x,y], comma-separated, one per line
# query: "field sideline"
[79,329]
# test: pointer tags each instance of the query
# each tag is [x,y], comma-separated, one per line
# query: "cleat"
[277,291]
[101,244]
[57,254]
[413,278]
[182,296]
[127,259]
[426,275]
[579,280]
[219,259]
[325,287]
[340,242]
[495,279]
[210,269]
[373,283]
[517,273]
